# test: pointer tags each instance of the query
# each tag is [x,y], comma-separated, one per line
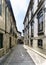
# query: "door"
[40,43]
[31,42]
[10,43]
[1,40]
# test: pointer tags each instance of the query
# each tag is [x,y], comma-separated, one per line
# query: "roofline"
[11,10]
[27,11]
[19,32]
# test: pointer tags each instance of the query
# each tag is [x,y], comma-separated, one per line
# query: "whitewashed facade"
[36,14]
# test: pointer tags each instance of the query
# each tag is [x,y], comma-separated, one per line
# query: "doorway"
[10,43]
[31,42]
[1,40]
[40,43]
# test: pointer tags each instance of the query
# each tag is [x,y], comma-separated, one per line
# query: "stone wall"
[6,24]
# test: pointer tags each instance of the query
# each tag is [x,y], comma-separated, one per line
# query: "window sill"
[40,47]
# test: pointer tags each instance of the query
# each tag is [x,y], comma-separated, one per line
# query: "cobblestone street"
[19,57]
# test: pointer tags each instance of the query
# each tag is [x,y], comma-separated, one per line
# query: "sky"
[19,9]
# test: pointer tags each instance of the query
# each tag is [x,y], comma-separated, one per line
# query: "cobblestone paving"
[19,57]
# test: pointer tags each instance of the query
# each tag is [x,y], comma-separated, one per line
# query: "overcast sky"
[19,9]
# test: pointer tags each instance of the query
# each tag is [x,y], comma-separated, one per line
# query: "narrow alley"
[19,57]
[22,32]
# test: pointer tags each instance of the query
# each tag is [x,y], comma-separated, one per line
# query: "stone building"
[35,24]
[19,34]
[8,29]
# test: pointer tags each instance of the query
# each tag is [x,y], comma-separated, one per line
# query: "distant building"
[20,38]
[18,34]
[35,24]
[8,29]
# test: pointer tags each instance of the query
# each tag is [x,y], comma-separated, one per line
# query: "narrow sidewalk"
[38,58]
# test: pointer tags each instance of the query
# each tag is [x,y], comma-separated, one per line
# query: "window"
[32,13]
[0,7]
[32,28]
[1,40]
[29,14]
[11,30]
[40,43]
[39,1]
[40,21]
